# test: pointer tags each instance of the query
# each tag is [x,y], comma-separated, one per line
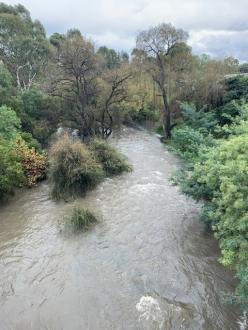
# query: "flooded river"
[149,264]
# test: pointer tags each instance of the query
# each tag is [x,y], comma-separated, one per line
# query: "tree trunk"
[166,116]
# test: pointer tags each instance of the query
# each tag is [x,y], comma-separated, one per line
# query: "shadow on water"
[148,265]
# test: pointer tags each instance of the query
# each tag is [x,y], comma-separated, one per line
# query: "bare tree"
[113,92]
[76,80]
[91,90]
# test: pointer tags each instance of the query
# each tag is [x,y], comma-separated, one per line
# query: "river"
[149,263]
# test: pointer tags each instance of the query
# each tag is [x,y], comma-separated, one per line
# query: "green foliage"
[243,68]
[5,77]
[11,173]
[220,176]
[82,219]
[73,169]
[188,141]
[200,120]
[19,164]
[24,49]
[236,88]
[31,142]
[9,123]
[112,161]
[110,56]
[227,113]
[216,172]
[39,114]
[147,112]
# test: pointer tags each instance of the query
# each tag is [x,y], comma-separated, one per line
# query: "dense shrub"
[188,141]
[216,173]
[147,112]
[33,163]
[19,164]
[227,113]
[236,88]
[9,123]
[11,173]
[73,169]
[39,114]
[112,161]
[203,121]
[221,177]
[31,142]
[82,219]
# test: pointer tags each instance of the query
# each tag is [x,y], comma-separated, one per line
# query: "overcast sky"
[216,27]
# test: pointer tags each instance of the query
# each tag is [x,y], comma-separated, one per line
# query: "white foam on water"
[149,310]
[243,322]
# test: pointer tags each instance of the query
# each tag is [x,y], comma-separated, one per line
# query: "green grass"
[112,161]
[82,219]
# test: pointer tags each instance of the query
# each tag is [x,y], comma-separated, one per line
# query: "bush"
[9,123]
[11,173]
[188,141]
[82,219]
[31,142]
[227,114]
[236,88]
[200,120]
[33,163]
[73,169]
[112,161]
[221,176]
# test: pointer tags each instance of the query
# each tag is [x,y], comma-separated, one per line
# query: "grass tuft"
[112,161]
[82,219]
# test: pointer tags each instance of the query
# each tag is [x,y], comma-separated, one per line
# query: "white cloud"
[216,26]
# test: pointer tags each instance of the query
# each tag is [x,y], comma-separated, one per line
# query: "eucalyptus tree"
[110,56]
[165,55]
[24,48]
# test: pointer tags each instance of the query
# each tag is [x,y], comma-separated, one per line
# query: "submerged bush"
[112,161]
[73,168]
[82,219]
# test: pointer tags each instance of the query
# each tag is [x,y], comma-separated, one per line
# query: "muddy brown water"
[149,264]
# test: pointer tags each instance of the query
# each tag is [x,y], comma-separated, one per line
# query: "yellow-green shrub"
[73,169]
[112,161]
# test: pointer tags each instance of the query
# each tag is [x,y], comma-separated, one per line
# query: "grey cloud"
[216,26]
[221,43]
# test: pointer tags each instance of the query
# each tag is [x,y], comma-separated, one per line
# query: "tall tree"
[110,56]
[76,79]
[159,47]
[24,48]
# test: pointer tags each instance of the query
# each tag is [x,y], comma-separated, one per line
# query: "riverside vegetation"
[198,103]
[76,167]
[214,145]
[82,219]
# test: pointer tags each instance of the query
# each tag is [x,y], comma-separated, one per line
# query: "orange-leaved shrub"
[33,163]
